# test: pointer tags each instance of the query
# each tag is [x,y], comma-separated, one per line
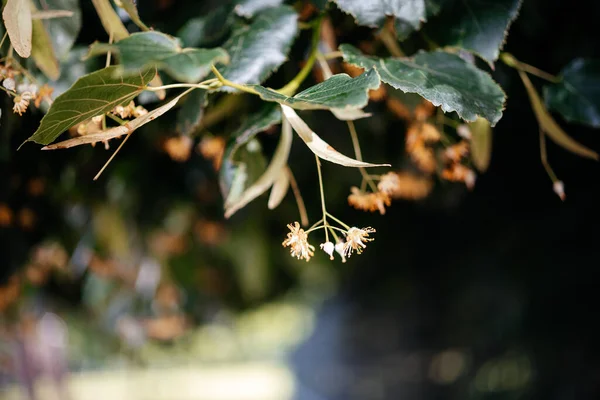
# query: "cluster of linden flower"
[17,85]
[297,241]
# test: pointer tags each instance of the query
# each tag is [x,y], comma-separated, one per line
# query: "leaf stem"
[177,85]
[3,39]
[113,156]
[512,62]
[116,119]
[358,154]
[227,82]
[333,54]
[322,197]
[389,39]
[292,86]
[298,196]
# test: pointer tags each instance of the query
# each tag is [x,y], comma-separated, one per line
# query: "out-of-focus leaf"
[17,20]
[339,93]
[279,190]
[191,112]
[93,94]
[444,79]
[249,8]
[243,161]
[63,31]
[549,125]
[208,29]
[577,96]
[260,48]
[154,49]
[479,26]
[373,13]
[481,143]
[115,132]
[318,146]
[432,8]
[131,8]
[42,51]
[110,20]
[268,178]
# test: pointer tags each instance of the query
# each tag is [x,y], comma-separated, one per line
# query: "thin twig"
[113,156]
[298,196]
[358,154]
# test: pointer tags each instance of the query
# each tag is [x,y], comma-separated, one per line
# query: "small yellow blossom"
[369,201]
[22,102]
[356,240]
[297,240]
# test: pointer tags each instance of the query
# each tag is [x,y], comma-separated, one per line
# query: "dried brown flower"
[368,201]
[297,240]
[405,185]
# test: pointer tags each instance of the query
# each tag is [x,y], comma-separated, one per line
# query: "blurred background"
[135,287]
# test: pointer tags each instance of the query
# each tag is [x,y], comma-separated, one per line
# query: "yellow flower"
[369,201]
[297,240]
[22,102]
[404,185]
[356,239]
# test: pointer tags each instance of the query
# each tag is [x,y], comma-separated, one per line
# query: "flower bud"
[328,248]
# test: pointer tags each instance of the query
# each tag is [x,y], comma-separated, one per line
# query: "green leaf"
[549,126]
[260,48]
[93,94]
[374,13]
[577,96]
[338,93]
[249,8]
[17,20]
[208,29]
[243,161]
[154,49]
[131,9]
[444,79]
[63,31]
[191,112]
[42,51]
[479,26]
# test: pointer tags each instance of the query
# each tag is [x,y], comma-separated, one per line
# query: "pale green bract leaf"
[374,12]
[318,146]
[249,8]
[17,20]
[42,51]
[93,94]
[269,177]
[63,31]
[130,7]
[481,143]
[479,26]
[243,160]
[444,79]
[155,49]
[577,96]
[279,190]
[549,126]
[260,48]
[340,93]
[125,129]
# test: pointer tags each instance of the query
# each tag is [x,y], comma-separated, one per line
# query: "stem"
[177,85]
[111,157]
[298,196]
[3,39]
[389,40]
[338,221]
[10,93]
[544,157]
[358,154]
[332,230]
[293,85]
[512,62]
[227,82]
[116,119]
[332,55]
[109,53]
[315,228]
[322,197]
